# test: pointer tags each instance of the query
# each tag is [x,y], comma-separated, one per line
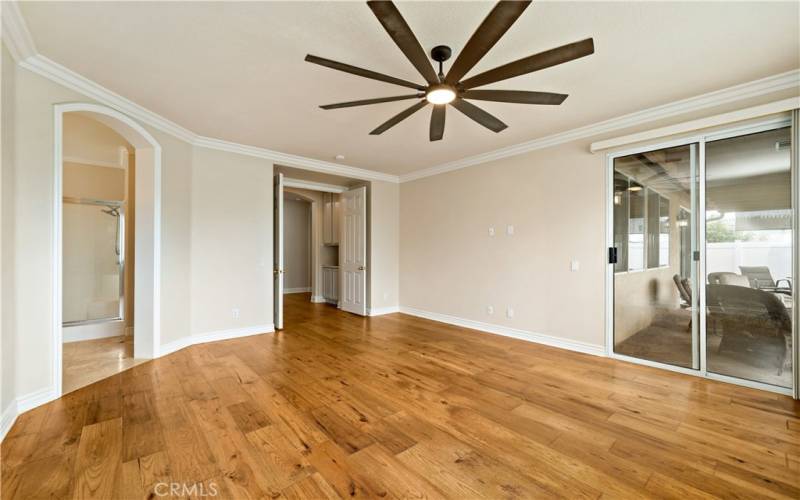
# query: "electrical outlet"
[489,310]
[574,265]
[235,313]
[510,230]
[509,312]
[385,295]
[491,230]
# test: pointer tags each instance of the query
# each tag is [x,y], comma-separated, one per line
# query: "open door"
[353,246]
[277,253]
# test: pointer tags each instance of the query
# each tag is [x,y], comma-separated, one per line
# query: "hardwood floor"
[88,361]
[394,406]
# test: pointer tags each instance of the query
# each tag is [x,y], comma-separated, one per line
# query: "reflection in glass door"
[748,227]
[655,202]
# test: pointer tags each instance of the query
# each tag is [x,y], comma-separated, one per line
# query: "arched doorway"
[148,229]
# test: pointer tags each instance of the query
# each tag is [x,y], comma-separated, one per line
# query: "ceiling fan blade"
[515,96]
[488,33]
[364,102]
[437,122]
[479,115]
[532,63]
[391,122]
[398,29]
[362,72]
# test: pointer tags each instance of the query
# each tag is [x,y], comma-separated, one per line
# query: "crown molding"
[290,160]
[15,32]
[20,43]
[764,86]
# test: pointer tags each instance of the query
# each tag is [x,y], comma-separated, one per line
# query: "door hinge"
[696,256]
[612,255]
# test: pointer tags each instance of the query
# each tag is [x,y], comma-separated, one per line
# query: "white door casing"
[277,253]
[353,245]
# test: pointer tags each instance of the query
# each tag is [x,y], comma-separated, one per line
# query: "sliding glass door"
[748,242]
[655,200]
[701,256]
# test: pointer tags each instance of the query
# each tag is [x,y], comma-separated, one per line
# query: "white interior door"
[277,253]
[353,246]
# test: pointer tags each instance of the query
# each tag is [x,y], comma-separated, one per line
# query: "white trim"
[290,160]
[702,123]
[7,418]
[380,311]
[15,32]
[93,331]
[312,186]
[94,163]
[317,299]
[36,398]
[303,289]
[764,86]
[215,336]
[539,338]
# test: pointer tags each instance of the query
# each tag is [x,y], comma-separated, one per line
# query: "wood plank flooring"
[337,406]
[88,361]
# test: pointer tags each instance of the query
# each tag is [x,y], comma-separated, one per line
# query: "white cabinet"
[330,284]
[330,218]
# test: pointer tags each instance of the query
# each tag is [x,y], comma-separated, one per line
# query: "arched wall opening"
[148,229]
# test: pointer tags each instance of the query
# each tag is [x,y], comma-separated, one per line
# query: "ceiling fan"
[450,89]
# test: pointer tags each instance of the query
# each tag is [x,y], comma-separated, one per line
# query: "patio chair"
[748,317]
[760,277]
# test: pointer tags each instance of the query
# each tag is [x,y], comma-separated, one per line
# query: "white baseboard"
[93,331]
[201,338]
[380,311]
[7,418]
[317,299]
[36,398]
[22,404]
[539,338]
[297,290]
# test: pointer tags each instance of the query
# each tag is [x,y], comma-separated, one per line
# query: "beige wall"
[87,140]
[297,244]
[7,228]
[89,181]
[231,241]
[384,240]
[554,199]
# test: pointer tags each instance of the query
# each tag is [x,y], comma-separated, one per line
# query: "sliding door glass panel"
[92,269]
[654,292]
[749,257]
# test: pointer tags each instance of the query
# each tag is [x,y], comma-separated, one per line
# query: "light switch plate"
[510,230]
[489,310]
[574,265]
[491,230]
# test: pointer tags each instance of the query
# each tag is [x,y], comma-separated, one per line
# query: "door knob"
[362,268]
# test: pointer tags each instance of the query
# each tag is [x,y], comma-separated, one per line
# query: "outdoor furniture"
[726,278]
[748,317]
[760,277]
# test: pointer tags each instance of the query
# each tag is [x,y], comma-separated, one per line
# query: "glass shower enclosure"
[94,261]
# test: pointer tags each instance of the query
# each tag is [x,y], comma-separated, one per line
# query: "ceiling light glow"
[440,95]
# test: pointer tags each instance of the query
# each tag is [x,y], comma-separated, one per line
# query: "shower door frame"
[120,206]
[701,140]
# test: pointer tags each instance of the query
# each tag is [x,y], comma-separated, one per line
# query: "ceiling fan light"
[440,95]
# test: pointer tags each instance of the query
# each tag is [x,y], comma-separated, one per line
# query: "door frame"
[147,273]
[701,140]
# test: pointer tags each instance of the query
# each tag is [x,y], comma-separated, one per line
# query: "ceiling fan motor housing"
[441,53]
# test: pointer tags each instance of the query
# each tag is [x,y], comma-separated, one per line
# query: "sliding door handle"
[362,268]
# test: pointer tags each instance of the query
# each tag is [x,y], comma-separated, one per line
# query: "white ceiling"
[235,71]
